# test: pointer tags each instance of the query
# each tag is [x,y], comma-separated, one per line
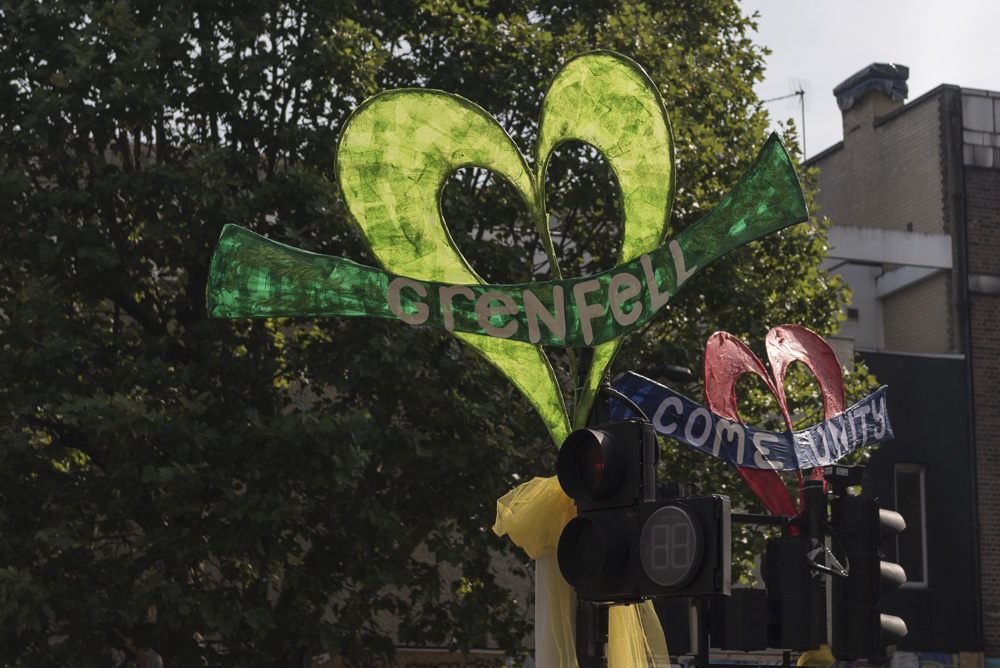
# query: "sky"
[823,42]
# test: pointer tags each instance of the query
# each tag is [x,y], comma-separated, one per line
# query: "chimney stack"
[875,91]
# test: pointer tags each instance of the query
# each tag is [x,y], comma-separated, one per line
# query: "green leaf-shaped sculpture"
[394,157]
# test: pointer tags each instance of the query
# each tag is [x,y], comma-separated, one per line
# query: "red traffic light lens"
[591,465]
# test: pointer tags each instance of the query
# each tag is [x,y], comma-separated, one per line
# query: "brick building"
[913,192]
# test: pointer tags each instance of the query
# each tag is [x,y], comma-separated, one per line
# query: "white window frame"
[909,468]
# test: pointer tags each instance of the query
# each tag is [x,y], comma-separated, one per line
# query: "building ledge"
[870,245]
[903,353]
[893,281]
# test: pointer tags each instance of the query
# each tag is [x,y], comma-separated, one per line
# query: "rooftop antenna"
[800,88]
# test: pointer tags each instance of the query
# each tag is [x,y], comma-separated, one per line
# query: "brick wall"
[982,212]
[983,220]
[891,173]
[916,319]
[887,175]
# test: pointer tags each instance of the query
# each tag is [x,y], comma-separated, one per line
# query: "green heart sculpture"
[396,152]
[398,149]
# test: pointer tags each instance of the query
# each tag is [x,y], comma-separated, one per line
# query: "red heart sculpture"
[727,358]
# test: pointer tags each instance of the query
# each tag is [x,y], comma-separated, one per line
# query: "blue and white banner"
[677,417]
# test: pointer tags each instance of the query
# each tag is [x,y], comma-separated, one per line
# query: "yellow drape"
[817,658]
[533,516]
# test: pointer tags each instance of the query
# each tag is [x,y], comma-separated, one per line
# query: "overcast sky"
[823,42]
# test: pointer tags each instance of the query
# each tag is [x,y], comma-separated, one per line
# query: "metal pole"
[703,623]
[546,653]
[802,100]
[591,635]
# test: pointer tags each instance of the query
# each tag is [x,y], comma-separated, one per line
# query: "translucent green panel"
[609,102]
[254,277]
[603,355]
[395,154]
[527,367]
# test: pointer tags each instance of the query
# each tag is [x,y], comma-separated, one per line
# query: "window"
[911,544]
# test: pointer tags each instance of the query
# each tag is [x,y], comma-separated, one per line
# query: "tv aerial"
[802,90]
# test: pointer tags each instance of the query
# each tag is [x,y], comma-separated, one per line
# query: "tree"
[228,492]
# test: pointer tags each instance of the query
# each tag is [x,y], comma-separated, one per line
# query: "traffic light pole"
[701,606]
[592,634]
[591,618]
[546,652]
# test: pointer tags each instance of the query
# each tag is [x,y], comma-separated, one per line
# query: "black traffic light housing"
[684,546]
[625,545]
[607,470]
[796,594]
[609,466]
[794,567]
[790,613]
[815,561]
[860,630]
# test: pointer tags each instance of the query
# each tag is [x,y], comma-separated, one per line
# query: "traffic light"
[625,545]
[796,595]
[609,466]
[790,613]
[739,621]
[794,567]
[860,630]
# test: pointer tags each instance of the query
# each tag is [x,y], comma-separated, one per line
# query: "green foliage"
[229,491]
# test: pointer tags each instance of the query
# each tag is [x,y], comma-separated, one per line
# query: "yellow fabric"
[533,516]
[561,598]
[817,658]
[635,637]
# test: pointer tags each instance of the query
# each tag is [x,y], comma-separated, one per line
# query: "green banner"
[254,277]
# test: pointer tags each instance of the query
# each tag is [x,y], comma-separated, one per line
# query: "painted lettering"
[618,296]
[706,416]
[811,442]
[656,298]
[878,414]
[735,432]
[485,310]
[862,411]
[761,439]
[682,272]
[392,297]
[587,311]
[624,298]
[838,436]
[826,445]
[446,293]
[534,311]
[678,408]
